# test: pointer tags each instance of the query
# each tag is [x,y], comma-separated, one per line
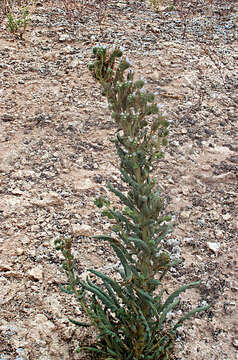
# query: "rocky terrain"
[56,156]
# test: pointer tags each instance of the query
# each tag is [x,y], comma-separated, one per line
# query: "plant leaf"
[122,258]
[176,293]
[79,323]
[188,315]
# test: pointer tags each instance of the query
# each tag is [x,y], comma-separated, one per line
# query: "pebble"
[35,273]
[185,214]
[176,253]
[188,240]
[235,343]
[79,230]
[170,180]
[204,303]
[201,222]
[214,214]
[214,246]
[173,242]
[19,351]
[83,184]
[226,217]
[185,190]
[219,234]
[48,199]
[170,315]
[20,251]
[64,37]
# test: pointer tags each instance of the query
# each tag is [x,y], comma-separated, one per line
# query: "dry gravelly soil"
[55,157]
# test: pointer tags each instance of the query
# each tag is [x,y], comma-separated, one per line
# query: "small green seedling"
[17,26]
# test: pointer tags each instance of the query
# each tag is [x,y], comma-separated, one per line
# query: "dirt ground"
[56,156]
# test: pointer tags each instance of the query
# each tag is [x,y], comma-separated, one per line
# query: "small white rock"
[83,184]
[169,315]
[213,246]
[219,234]
[214,214]
[64,37]
[48,199]
[185,190]
[35,273]
[227,216]
[74,63]
[81,230]
[19,251]
[185,214]
[188,240]
[204,303]
[173,242]
[235,343]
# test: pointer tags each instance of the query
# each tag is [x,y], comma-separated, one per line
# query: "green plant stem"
[130,314]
